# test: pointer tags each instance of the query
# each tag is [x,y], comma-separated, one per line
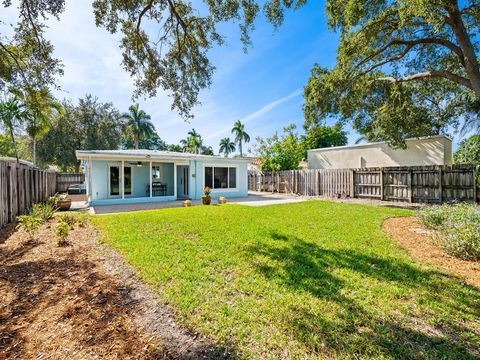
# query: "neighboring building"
[129,176]
[434,150]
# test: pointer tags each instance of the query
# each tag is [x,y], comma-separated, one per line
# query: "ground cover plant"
[304,280]
[457,226]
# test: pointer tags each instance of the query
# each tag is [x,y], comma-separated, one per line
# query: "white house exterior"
[132,176]
[434,150]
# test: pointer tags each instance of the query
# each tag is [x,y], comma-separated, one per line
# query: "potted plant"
[206,198]
[63,202]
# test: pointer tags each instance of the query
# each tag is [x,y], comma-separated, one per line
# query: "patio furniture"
[158,189]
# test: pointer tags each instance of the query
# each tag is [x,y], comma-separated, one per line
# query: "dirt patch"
[411,234]
[81,301]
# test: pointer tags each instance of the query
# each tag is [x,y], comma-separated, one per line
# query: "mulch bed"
[79,301]
[411,234]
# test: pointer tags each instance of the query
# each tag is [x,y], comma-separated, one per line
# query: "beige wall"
[427,151]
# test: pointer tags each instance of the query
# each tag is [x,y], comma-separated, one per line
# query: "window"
[220,177]
[155,172]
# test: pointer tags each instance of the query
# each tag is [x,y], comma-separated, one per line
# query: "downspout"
[195,179]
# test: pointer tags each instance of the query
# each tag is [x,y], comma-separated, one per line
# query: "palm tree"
[226,146]
[137,124]
[194,141]
[240,135]
[11,114]
[41,107]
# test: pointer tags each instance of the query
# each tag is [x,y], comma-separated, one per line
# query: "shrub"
[68,218]
[458,227]
[44,211]
[29,222]
[62,229]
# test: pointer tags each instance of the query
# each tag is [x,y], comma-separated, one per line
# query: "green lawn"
[305,280]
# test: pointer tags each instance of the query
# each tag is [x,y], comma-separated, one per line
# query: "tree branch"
[429,74]
[142,13]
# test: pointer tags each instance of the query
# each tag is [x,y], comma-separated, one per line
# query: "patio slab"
[251,200]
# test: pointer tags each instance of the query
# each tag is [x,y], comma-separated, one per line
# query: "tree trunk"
[34,146]
[240,147]
[470,59]
[14,145]
[136,141]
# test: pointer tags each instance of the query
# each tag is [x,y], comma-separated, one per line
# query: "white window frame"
[220,190]
[121,176]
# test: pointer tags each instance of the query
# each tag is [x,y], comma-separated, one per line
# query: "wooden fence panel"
[431,184]
[64,180]
[20,187]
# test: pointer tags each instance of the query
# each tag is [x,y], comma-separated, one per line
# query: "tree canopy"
[396,62]
[468,151]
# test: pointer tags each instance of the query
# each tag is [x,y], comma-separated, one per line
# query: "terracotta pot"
[222,200]
[64,205]
[206,200]
[187,203]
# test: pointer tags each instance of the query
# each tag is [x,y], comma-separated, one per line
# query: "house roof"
[373,144]
[147,154]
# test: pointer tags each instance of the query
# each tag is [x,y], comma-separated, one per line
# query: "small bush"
[44,211]
[68,218]
[458,228]
[61,230]
[29,222]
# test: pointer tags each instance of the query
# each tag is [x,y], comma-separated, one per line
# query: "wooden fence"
[20,187]
[64,180]
[431,184]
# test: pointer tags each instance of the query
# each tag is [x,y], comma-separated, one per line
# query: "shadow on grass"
[356,326]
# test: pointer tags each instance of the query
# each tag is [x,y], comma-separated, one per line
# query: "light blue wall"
[140,176]
[197,180]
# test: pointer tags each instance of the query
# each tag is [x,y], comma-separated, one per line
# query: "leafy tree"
[206,150]
[321,136]
[468,151]
[193,143]
[11,114]
[392,56]
[137,125]
[174,148]
[89,125]
[150,142]
[226,146]
[280,152]
[41,107]
[240,135]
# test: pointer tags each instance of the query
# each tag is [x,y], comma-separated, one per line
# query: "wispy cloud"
[256,114]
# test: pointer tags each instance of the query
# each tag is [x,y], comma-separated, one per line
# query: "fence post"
[440,180]
[410,180]
[352,183]
[382,190]
[475,170]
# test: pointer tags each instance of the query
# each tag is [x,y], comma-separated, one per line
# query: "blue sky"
[263,88]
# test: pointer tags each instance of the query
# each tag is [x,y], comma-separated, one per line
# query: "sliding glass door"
[114,180]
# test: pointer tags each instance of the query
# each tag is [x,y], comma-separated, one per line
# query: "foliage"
[69,218]
[321,136]
[280,152]
[137,125]
[149,142]
[468,151]
[30,223]
[44,211]
[89,125]
[174,148]
[207,191]
[240,135]
[26,57]
[226,146]
[62,230]
[193,143]
[11,116]
[307,280]
[458,226]
[403,69]
[206,150]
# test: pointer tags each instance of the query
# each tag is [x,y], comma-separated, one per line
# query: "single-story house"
[133,176]
[432,150]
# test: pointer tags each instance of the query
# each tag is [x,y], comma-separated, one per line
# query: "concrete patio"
[253,199]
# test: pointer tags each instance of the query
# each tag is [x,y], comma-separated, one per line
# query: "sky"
[262,88]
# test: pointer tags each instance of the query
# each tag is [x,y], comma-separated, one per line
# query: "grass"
[305,280]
